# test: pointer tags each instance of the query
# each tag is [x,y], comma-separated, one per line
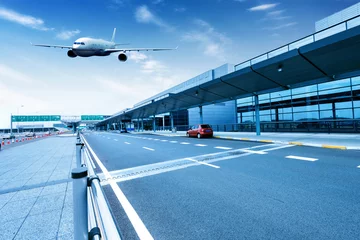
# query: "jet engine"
[122,57]
[71,54]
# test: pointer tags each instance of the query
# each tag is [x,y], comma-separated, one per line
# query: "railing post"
[79,146]
[79,176]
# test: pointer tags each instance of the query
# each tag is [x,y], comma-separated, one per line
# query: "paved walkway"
[36,190]
[340,141]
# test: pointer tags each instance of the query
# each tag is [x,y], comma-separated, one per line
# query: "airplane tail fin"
[113,36]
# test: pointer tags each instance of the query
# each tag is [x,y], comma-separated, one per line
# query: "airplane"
[88,47]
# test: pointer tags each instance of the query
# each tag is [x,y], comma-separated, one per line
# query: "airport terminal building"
[294,88]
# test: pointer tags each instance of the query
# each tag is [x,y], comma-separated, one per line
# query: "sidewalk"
[36,190]
[324,140]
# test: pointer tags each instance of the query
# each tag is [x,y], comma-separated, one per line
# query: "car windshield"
[180,119]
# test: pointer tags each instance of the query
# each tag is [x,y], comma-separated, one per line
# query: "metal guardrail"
[92,216]
[342,26]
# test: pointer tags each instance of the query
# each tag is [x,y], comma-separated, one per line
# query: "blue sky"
[209,33]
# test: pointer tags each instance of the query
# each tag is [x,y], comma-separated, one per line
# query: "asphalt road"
[188,188]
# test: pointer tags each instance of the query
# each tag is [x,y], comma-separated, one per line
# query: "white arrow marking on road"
[150,149]
[203,163]
[224,148]
[302,158]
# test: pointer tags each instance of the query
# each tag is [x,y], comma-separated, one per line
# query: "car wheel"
[187,134]
[198,135]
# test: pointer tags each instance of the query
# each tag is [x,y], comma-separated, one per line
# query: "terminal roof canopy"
[331,58]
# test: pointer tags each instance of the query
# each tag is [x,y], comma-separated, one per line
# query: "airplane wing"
[54,46]
[112,50]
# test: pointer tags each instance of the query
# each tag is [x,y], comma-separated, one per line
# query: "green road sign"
[36,118]
[92,117]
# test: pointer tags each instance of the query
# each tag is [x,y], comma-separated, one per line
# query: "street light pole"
[17,123]
[10,124]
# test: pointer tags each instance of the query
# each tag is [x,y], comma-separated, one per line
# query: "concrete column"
[257,115]
[163,122]
[154,124]
[172,120]
[201,114]
[142,124]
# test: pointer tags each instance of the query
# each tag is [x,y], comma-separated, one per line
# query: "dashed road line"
[184,143]
[302,158]
[224,148]
[200,145]
[164,140]
[173,141]
[115,140]
[255,152]
[150,149]
[127,143]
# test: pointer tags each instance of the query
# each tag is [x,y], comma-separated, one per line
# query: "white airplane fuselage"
[87,47]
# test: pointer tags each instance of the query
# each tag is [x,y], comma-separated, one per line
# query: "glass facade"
[216,114]
[331,104]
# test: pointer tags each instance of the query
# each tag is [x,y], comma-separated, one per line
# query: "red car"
[199,131]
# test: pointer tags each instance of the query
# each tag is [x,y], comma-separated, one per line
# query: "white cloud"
[144,15]
[65,35]
[180,9]
[263,7]
[151,66]
[25,20]
[137,56]
[212,42]
[275,13]
[9,74]
[282,26]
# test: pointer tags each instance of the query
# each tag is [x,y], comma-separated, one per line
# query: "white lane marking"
[200,145]
[184,143]
[150,149]
[115,140]
[135,220]
[276,148]
[255,152]
[203,163]
[164,140]
[173,141]
[108,138]
[358,166]
[224,148]
[156,139]
[127,143]
[302,158]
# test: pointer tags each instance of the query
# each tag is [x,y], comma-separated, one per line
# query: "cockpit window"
[79,43]
[82,43]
